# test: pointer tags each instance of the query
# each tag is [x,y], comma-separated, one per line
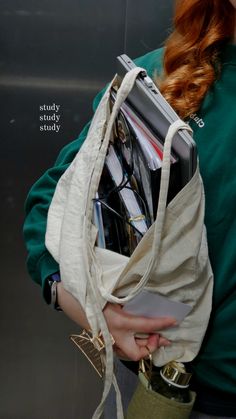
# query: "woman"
[196,74]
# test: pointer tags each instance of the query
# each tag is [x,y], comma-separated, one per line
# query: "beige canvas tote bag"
[171,259]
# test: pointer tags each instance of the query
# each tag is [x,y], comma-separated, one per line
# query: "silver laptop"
[151,106]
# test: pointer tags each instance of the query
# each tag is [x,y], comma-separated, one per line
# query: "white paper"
[150,304]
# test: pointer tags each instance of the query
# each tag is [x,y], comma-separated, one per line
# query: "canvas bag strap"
[176,126]
[122,93]
[160,217]
[94,291]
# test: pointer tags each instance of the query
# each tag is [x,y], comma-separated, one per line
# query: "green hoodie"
[214,129]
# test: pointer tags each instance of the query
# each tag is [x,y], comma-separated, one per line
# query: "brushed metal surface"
[58,52]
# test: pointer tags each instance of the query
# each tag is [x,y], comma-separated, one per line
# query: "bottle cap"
[175,373]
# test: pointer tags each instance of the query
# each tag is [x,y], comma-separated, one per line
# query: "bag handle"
[94,292]
[122,93]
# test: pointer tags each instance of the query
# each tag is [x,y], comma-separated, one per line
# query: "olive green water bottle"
[172,381]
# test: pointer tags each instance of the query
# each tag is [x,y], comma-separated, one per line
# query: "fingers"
[128,321]
[147,325]
[132,351]
[152,342]
[135,349]
[141,342]
[156,338]
[164,342]
[124,326]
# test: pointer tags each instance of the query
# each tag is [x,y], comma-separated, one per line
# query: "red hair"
[192,50]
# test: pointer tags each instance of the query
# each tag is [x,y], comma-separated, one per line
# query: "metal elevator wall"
[60,52]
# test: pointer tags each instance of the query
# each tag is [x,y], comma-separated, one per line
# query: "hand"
[123,327]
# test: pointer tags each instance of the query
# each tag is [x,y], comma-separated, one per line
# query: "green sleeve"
[152,62]
[40,263]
